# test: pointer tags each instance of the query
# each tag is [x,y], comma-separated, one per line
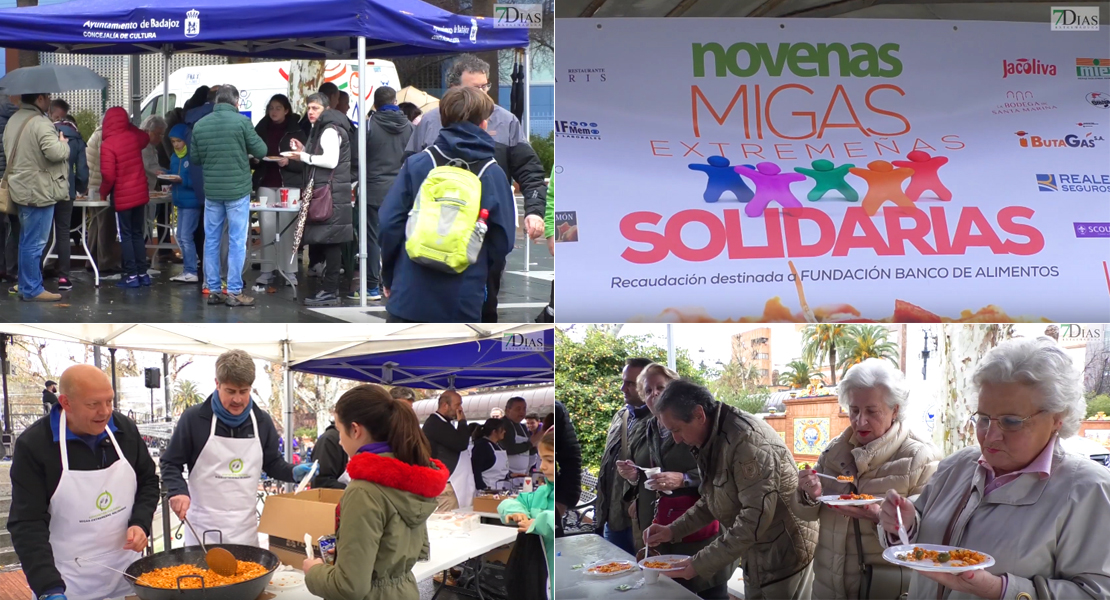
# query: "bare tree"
[964,346]
[305,77]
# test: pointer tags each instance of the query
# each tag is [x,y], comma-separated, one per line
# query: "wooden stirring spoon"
[219,560]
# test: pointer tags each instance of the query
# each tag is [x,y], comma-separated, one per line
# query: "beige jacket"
[1055,527]
[749,480]
[38,175]
[92,156]
[900,461]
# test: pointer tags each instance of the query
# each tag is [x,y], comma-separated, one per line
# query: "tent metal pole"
[288,375]
[133,89]
[165,83]
[166,384]
[527,94]
[115,390]
[362,125]
[4,375]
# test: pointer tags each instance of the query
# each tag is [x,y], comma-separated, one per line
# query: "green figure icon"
[829,178]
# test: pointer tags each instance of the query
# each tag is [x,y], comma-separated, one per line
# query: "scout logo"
[104,501]
[192,23]
[236,465]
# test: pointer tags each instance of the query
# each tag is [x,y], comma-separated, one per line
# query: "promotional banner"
[832,170]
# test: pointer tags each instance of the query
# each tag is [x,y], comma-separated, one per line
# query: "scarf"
[224,415]
[392,107]
[376,448]
[182,152]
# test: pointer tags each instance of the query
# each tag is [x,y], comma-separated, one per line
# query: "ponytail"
[388,420]
[490,426]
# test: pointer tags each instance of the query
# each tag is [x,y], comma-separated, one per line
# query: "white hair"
[1042,364]
[875,373]
[153,123]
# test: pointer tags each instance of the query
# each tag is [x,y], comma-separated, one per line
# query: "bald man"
[73,496]
[449,434]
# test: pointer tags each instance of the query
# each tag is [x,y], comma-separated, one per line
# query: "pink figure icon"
[925,176]
[770,185]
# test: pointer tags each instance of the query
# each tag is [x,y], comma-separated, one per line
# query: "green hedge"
[545,149]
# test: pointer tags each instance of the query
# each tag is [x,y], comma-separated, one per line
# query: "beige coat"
[1054,527]
[92,156]
[900,461]
[749,480]
[38,175]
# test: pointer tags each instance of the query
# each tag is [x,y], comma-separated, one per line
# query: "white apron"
[89,512]
[222,488]
[462,480]
[520,463]
[499,471]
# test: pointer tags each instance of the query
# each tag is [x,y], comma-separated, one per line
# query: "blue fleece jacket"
[183,194]
[196,173]
[421,294]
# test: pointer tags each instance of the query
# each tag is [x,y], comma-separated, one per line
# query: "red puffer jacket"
[121,161]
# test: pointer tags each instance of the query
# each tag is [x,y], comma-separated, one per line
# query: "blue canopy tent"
[470,364]
[288,29]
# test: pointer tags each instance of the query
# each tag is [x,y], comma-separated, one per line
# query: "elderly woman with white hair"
[1039,511]
[880,452]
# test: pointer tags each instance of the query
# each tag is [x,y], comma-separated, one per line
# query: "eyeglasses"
[484,87]
[1007,423]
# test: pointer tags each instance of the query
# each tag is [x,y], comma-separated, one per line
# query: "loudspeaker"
[153,377]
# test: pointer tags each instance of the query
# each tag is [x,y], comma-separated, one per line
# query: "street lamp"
[925,353]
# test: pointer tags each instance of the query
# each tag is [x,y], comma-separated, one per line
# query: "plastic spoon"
[901,528]
[308,546]
[307,478]
[79,559]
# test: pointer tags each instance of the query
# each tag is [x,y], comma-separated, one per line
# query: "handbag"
[670,508]
[7,206]
[879,582]
[320,207]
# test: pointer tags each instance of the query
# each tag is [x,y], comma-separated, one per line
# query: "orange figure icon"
[884,183]
[924,175]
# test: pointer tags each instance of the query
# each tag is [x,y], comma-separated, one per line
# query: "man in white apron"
[84,491]
[451,445]
[226,442]
[518,440]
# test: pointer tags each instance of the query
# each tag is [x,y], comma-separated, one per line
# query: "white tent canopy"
[302,341]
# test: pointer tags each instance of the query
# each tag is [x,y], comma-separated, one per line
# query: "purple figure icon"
[722,178]
[770,185]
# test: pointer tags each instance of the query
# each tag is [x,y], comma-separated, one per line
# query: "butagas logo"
[745,59]
[1071,140]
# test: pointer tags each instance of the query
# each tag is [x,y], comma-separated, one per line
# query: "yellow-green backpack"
[441,230]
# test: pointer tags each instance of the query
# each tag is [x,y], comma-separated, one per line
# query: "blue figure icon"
[723,178]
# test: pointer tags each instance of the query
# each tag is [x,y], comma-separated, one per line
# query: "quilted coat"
[121,161]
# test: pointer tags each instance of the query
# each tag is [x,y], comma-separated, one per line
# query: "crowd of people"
[728,490]
[394,474]
[214,162]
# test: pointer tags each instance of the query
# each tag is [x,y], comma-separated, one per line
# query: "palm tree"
[863,342]
[185,395]
[821,341]
[798,374]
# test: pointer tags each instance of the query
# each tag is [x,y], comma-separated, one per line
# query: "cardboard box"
[287,517]
[488,504]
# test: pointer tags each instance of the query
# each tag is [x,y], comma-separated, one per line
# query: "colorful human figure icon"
[925,176]
[771,185]
[829,178]
[722,178]
[884,184]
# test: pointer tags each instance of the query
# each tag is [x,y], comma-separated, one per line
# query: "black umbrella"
[516,97]
[48,79]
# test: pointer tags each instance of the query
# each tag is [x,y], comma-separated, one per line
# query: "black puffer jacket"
[338,229]
[293,173]
[388,131]
[7,109]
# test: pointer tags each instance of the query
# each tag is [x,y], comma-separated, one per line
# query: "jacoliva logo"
[104,501]
[235,466]
[1024,66]
[745,59]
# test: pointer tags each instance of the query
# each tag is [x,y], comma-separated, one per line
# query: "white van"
[258,82]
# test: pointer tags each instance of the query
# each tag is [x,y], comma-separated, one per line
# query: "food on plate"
[958,557]
[847,478]
[658,564]
[609,568]
[166,577]
[274,158]
[856,497]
